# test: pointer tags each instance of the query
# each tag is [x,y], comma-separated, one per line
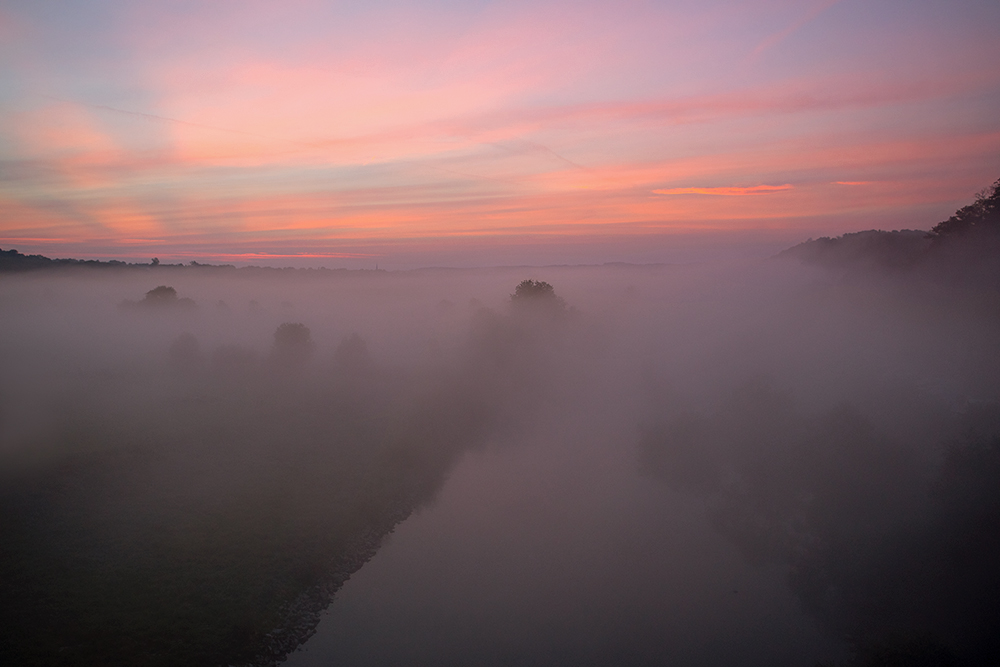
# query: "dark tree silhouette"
[532,289]
[161,295]
[12,260]
[536,294]
[982,214]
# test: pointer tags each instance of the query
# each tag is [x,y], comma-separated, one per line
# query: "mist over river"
[747,463]
[554,550]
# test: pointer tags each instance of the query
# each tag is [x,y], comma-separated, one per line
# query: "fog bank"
[201,466]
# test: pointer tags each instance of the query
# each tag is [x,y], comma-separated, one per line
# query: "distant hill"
[12,260]
[965,247]
[872,248]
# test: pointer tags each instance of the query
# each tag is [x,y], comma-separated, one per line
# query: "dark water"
[555,550]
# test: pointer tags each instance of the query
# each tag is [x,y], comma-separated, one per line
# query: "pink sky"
[477,133]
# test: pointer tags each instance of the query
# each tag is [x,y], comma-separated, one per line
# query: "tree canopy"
[982,214]
[536,293]
[161,295]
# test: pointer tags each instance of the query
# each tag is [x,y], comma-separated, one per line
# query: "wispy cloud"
[726,192]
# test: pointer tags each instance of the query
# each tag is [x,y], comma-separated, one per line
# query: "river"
[551,548]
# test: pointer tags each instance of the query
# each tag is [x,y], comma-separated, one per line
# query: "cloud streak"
[726,191]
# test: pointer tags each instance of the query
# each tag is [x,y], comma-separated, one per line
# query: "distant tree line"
[12,261]
[965,246]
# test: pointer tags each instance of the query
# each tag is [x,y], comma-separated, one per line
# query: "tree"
[536,294]
[983,214]
[161,295]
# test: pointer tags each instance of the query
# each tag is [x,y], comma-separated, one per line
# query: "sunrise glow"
[466,133]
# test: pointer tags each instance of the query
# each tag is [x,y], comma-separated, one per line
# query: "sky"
[312,133]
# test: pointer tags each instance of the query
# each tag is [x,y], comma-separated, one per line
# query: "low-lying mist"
[194,460]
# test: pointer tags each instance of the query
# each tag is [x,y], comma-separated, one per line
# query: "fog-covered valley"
[763,462]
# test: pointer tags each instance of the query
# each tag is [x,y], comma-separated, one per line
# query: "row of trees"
[981,215]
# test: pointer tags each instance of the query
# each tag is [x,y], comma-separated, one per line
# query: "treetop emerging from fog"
[536,293]
[162,296]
